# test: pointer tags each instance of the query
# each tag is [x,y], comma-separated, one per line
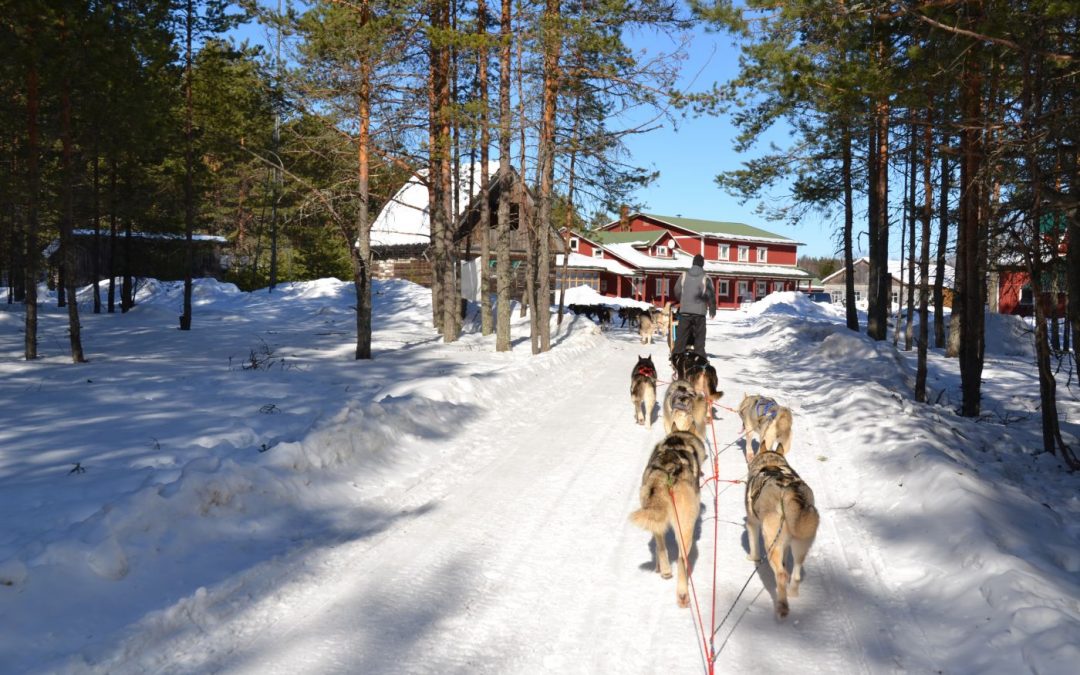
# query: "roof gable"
[712,228]
[643,238]
[717,227]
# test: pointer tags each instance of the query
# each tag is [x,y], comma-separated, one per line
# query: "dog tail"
[800,513]
[652,515]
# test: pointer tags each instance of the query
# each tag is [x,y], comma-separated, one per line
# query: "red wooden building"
[1010,289]
[642,255]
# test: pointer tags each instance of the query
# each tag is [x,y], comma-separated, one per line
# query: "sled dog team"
[779,505]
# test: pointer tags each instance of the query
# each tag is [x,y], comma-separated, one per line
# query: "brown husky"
[670,497]
[685,409]
[768,420]
[643,389]
[646,328]
[780,508]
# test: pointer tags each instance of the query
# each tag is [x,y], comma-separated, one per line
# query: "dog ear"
[779,449]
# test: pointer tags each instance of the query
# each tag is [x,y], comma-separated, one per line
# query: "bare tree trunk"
[924,257]
[32,183]
[552,53]
[971,235]
[1072,259]
[189,170]
[440,180]
[95,254]
[361,249]
[529,299]
[911,243]
[942,248]
[502,265]
[113,231]
[851,311]
[67,222]
[1032,96]
[880,281]
[486,323]
[569,209]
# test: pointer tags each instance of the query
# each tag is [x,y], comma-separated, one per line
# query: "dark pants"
[690,330]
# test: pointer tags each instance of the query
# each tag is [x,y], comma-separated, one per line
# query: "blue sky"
[691,153]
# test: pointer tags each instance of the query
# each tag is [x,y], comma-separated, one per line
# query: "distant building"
[642,255]
[1009,284]
[401,233]
[145,254]
[835,283]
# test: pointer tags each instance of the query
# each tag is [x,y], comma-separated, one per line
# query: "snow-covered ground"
[247,498]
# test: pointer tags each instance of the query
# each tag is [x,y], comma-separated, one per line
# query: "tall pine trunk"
[439,175]
[1037,254]
[569,207]
[32,187]
[908,327]
[552,54]
[361,249]
[486,323]
[971,234]
[189,169]
[924,257]
[878,215]
[114,202]
[942,246]
[502,252]
[67,222]
[95,253]
[851,312]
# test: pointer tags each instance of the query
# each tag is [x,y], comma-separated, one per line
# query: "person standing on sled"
[694,291]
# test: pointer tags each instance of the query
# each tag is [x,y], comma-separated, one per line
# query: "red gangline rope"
[716,536]
[693,589]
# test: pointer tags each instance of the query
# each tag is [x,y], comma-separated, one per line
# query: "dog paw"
[782,609]
[683,599]
[753,558]
[793,589]
[665,575]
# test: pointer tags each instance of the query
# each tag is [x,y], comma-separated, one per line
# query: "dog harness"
[767,407]
[646,371]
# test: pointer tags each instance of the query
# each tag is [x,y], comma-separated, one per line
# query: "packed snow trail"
[514,554]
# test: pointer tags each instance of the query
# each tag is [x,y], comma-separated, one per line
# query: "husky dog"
[685,364]
[684,409]
[670,497]
[770,421]
[646,328]
[780,507]
[643,390]
[663,319]
[696,369]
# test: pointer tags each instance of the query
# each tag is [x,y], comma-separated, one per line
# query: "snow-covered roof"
[898,271]
[54,245]
[752,269]
[680,262]
[716,229]
[634,256]
[579,261]
[405,218]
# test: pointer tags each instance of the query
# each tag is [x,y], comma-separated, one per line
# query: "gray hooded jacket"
[694,291]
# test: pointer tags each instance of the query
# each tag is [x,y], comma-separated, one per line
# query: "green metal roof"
[648,237]
[714,227]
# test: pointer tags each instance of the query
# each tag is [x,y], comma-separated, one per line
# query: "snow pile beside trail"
[972,530]
[793,303]
[238,485]
[585,295]
[1009,335]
